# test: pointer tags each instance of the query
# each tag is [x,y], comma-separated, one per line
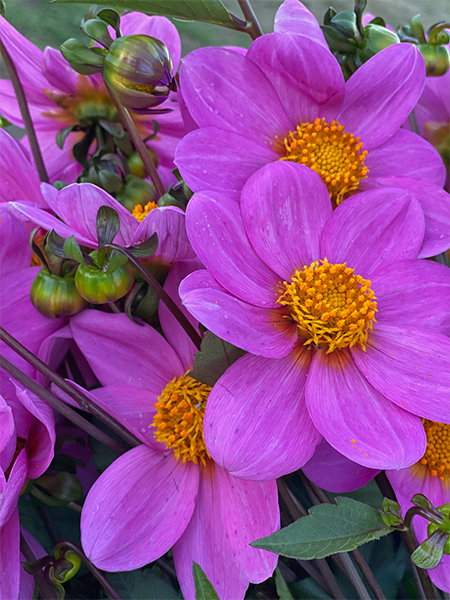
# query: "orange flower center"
[179,418]
[437,454]
[333,154]
[332,306]
[140,213]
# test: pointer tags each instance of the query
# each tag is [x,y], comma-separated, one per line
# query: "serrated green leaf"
[328,529]
[208,11]
[107,225]
[62,134]
[72,250]
[204,589]
[213,359]
[283,590]
[143,584]
[146,249]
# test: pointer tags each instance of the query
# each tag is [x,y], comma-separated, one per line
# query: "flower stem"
[60,406]
[163,295]
[26,116]
[141,148]
[252,26]
[84,402]
[44,586]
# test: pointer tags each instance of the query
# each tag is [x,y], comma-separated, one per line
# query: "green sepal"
[429,554]
[84,60]
[213,359]
[72,250]
[62,134]
[417,29]
[204,589]
[115,261]
[336,41]
[115,129]
[146,249]
[107,225]
[345,24]
[97,29]
[61,488]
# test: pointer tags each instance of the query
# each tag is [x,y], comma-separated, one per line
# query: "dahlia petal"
[7,430]
[173,331]
[332,471]
[409,365]
[135,353]
[250,511]
[224,89]
[267,432]
[416,479]
[205,542]
[435,203]
[294,17]
[53,351]
[37,103]
[169,223]
[284,208]
[307,77]
[211,217]
[12,488]
[214,159]
[382,93]
[58,72]
[137,509]
[262,331]
[408,155]
[413,292]
[356,419]
[15,250]
[10,558]
[372,229]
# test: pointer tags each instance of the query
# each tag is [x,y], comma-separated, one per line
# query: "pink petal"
[53,351]
[12,488]
[205,542]
[37,103]
[332,471]
[265,332]
[211,217]
[137,509]
[356,419]
[7,430]
[373,229]
[284,208]
[10,558]
[256,423]
[135,353]
[15,250]
[58,72]
[294,17]
[249,511]
[382,93]
[409,365]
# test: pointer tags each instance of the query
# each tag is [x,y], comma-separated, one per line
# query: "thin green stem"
[141,148]
[26,116]
[163,295]
[253,28]
[84,401]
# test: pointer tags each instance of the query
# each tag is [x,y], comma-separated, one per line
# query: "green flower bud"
[136,192]
[376,38]
[139,71]
[55,296]
[136,166]
[65,567]
[98,286]
[445,527]
[437,59]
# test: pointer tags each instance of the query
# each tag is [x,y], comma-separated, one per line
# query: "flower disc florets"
[332,306]
[437,454]
[140,212]
[179,418]
[333,154]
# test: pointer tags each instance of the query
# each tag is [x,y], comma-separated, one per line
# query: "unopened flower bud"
[55,296]
[376,38]
[437,59]
[136,191]
[98,286]
[138,70]
[444,527]
[65,567]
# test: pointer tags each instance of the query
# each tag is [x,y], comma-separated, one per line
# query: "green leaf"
[63,488]
[72,250]
[328,529]
[146,249]
[107,225]
[337,42]
[213,359]
[115,261]
[143,584]
[283,590]
[204,589]
[62,134]
[429,554]
[208,11]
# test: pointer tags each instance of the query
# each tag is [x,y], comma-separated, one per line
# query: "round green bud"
[98,287]
[437,59]
[136,166]
[65,575]
[138,70]
[376,38]
[136,191]
[55,296]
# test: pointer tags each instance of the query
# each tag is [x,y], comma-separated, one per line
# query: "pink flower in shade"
[430,476]
[27,439]
[353,348]
[286,99]
[58,96]
[77,206]
[151,498]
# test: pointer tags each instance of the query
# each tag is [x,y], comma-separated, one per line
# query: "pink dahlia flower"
[286,100]
[167,492]
[345,329]
[27,440]
[77,206]
[59,97]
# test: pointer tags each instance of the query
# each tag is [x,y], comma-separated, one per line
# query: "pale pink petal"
[12,487]
[7,430]
[58,72]
[15,250]
[10,558]
[294,17]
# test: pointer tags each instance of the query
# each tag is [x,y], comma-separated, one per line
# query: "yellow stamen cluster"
[140,213]
[179,418]
[333,154]
[437,454]
[332,306]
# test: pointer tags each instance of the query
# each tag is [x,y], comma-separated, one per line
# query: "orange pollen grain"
[140,213]
[437,454]
[179,419]
[332,153]
[332,306]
